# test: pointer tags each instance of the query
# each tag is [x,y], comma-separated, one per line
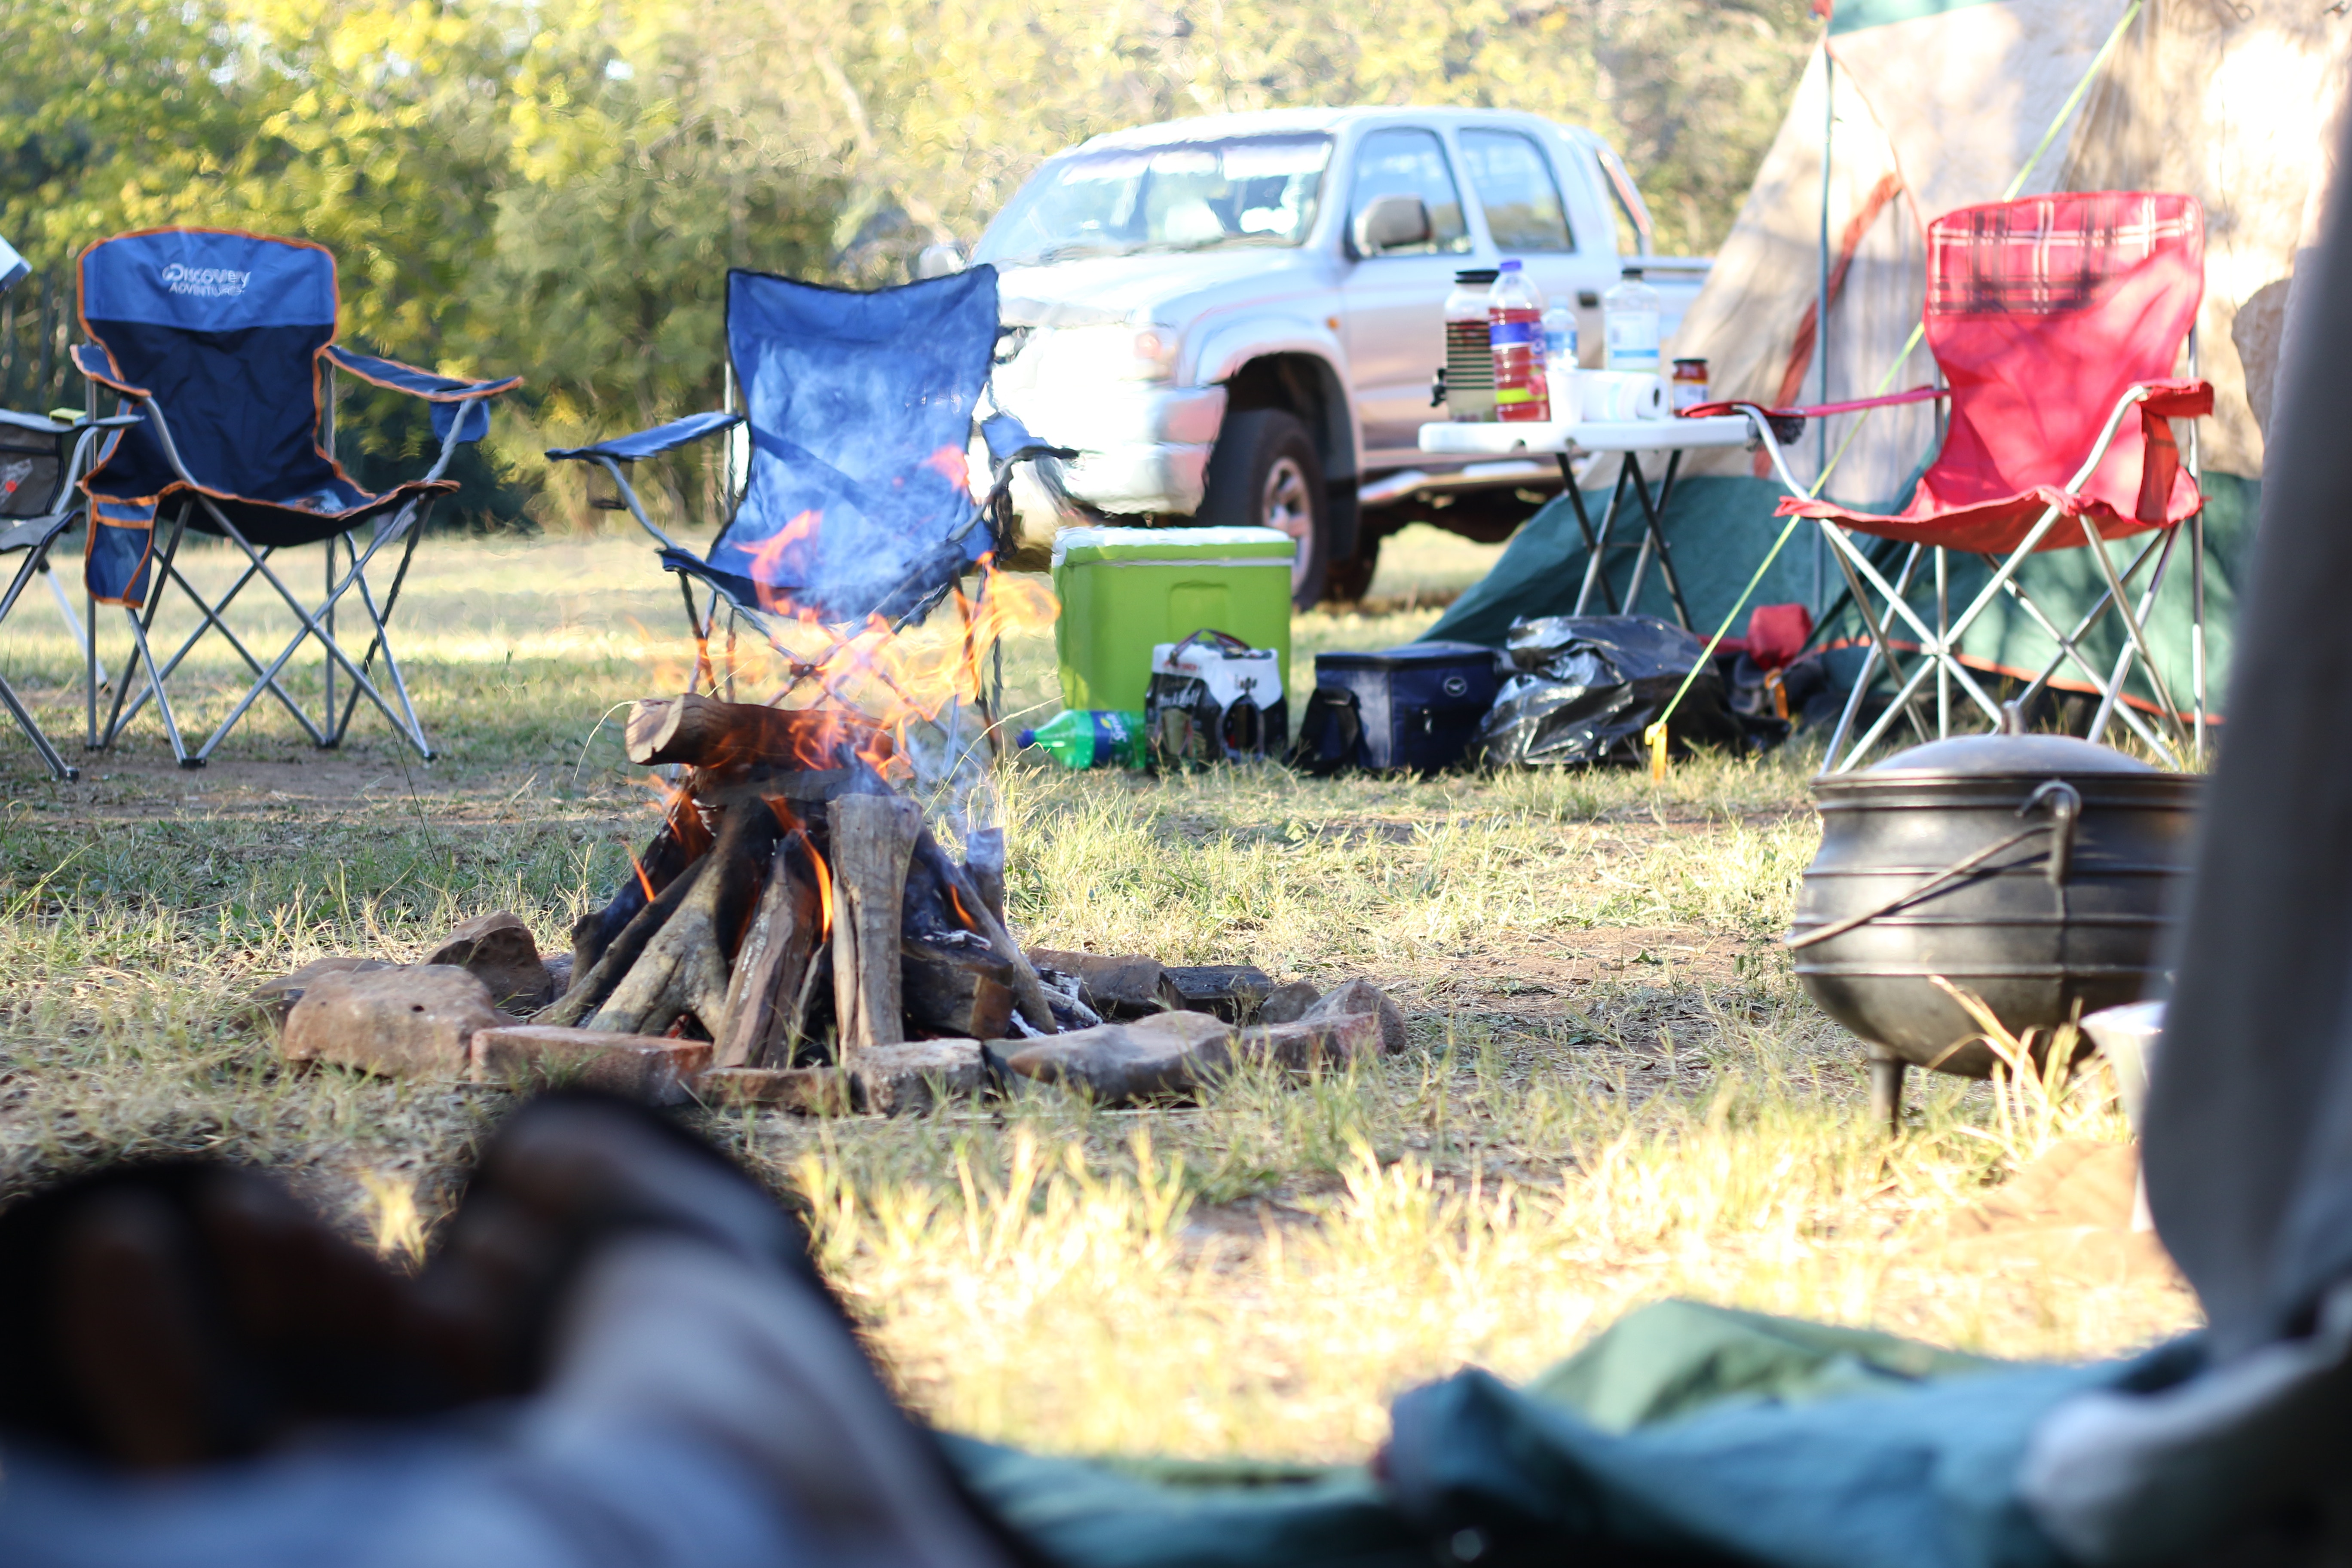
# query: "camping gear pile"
[2005,881]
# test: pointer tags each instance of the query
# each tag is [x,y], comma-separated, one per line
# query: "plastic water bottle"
[1468,379]
[1560,363]
[1629,313]
[1514,327]
[1090,738]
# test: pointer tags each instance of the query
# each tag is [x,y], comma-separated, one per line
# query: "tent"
[1910,109]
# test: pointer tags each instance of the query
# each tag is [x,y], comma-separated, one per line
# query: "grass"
[1616,1092]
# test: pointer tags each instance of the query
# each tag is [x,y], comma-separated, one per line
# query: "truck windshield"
[1180,196]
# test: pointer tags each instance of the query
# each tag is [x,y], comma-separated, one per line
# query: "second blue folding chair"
[861,407]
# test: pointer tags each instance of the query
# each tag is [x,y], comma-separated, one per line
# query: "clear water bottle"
[1560,363]
[1098,738]
[1630,313]
[1514,328]
[1469,384]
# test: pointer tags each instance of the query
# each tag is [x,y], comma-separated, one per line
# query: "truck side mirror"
[939,261]
[1391,222]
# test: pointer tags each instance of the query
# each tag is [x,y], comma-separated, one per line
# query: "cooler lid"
[1253,546]
[1410,654]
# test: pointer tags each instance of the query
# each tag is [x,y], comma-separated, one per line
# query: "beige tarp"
[2231,100]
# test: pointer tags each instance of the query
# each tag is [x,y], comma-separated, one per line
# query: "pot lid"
[2003,756]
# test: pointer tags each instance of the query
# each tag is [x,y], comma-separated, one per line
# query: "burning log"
[590,987]
[1028,991]
[681,841]
[767,996]
[955,984]
[704,733]
[683,968]
[873,843]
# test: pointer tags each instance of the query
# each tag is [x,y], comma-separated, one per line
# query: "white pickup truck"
[1237,319]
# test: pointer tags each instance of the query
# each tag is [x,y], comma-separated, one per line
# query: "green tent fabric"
[1719,528]
[1685,1433]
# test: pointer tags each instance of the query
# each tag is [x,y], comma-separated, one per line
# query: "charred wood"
[683,966]
[954,983]
[764,990]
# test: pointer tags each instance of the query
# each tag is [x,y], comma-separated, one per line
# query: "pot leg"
[1886,1090]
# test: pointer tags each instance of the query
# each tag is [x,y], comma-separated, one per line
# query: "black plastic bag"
[1587,686]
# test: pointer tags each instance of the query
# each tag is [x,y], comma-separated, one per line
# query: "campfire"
[791,895]
[818,920]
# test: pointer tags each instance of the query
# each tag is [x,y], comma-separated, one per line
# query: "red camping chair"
[2052,320]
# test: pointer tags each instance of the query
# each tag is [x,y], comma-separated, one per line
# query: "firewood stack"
[793,909]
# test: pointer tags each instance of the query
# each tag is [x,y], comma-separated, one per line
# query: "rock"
[812,1091]
[418,1022]
[901,1079]
[1363,996]
[1117,986]
[274,999]
[1169,1053]
[532,1055]
[498,951]
[1313,1044]
[1231,991]
[1287,1004]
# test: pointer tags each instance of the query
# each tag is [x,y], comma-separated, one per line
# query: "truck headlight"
[1119,349]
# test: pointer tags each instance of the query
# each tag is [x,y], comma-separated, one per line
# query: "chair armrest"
[458,405]
[94,361]
[1009,441]
[425,384]
[650,443]
[2178,399]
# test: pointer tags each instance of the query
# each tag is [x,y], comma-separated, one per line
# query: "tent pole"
[1821,298]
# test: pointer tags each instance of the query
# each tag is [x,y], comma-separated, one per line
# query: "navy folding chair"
[223,343]
[856,503]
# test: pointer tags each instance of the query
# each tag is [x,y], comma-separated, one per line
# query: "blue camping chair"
[861,407]
[223,343]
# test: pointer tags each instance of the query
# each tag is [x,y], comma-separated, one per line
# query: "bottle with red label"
[1514,328]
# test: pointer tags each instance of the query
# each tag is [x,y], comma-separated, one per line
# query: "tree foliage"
[557,187]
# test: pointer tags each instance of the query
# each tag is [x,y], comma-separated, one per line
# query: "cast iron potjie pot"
[2037,871]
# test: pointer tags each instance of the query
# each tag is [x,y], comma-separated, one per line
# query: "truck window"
[1178,195]
[1406,162]
[1517,193]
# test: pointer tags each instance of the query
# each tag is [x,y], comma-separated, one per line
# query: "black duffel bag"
[1400,710]
[1587,686]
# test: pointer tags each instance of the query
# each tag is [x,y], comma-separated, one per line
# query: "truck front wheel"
[1264,473]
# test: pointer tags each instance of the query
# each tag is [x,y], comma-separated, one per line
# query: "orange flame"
[961,913]
[768,559]
[823,892]
[642,880]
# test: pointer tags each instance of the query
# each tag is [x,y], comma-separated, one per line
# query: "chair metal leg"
[36,562]
[383,637]
[2171,714]
[2197,637]
[1943,641]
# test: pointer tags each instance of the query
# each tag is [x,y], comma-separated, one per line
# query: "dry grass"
[1615,1092]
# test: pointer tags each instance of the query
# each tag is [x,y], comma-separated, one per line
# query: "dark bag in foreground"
[1413,707]
[1588,685]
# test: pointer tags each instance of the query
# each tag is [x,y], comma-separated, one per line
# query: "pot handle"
[2064,803]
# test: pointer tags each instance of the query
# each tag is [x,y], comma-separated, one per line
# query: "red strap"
[1916,394]
[2179,399]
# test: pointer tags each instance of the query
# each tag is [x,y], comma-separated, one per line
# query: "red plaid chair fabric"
[2057,322]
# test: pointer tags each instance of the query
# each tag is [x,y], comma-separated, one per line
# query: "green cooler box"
[1125,590]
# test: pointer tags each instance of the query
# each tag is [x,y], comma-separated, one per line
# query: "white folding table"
[1565,439]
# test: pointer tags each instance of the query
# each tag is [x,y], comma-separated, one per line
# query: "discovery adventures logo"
[204,283]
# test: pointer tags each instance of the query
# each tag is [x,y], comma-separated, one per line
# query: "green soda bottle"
[1083,738]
